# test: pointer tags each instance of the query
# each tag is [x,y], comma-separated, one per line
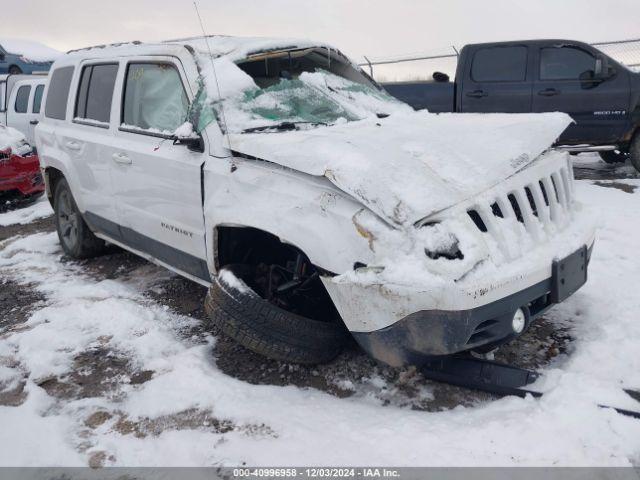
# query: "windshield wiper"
[282,126]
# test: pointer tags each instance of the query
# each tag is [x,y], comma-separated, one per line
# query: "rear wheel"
[614,156]
[77,240]
[634,152]
[279,311]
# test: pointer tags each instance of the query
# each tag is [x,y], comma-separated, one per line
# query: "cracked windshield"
[288,90]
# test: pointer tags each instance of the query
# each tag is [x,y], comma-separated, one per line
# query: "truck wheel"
[77,240]
[259,325]
[634,152]
[614,156]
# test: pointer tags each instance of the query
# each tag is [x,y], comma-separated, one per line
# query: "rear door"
[563,84]
[496,79]
[34,110]
[84,137]
[158,184]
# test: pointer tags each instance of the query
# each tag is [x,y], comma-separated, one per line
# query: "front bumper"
[429,333]
[421,331]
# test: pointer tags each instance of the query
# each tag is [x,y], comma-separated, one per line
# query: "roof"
[218,45]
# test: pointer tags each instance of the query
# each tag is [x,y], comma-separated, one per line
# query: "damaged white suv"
[314,205]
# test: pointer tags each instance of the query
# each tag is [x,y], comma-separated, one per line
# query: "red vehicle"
[20,177]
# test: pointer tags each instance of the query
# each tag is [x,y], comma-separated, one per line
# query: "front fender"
[305,211]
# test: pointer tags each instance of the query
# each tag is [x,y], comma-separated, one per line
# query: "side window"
[95,92]
[58,93]
[22,98]
[3,91]
[37,99]
[500,64]
[154,98]
[565,63]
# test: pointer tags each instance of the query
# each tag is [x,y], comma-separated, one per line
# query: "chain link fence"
[624,51]
[420,66]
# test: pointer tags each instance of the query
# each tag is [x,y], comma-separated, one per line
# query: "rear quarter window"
[58,93]
[500,64]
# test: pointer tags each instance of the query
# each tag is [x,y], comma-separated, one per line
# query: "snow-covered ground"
[40,209]
[172,405]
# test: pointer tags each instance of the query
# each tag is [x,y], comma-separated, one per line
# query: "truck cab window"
[37,99]
[95,92]
[565,63]
[22,99]
[154,98]
[500,64]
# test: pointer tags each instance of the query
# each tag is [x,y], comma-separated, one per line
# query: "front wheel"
[614,156]
[15,70]
[265,327]
[77,240]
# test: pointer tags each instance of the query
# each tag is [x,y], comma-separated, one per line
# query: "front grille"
[541,207]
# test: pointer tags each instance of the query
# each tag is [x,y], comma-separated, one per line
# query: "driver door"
[158,190]
[599,108]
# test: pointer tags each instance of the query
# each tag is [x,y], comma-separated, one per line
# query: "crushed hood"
[409,166]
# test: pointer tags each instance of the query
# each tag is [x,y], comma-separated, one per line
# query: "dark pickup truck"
[600,94]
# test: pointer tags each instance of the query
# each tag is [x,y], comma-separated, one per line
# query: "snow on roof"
[240,47]
[35,51]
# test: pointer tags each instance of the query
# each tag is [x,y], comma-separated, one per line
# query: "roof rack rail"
[197,37]
[118,44]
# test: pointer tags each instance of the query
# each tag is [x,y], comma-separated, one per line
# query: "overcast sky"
[358,27]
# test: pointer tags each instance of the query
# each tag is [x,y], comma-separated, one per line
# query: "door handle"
[121,158]
[477,94]
[73,145]
[34,122]
[549,92]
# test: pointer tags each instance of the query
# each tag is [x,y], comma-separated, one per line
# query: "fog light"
[519,321]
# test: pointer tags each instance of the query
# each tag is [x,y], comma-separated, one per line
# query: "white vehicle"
[313,204]
[20,102]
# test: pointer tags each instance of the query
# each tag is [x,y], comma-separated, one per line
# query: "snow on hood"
[12,139]
[27,48]
[409,166]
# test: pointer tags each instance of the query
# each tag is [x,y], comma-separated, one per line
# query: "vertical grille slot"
[477,219]
[516,207]
[496,210]
[532,202]
[544,193]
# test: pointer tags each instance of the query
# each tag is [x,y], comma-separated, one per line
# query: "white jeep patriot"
[313,205]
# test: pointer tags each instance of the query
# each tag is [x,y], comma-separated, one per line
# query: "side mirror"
[195,144]
[602,70]
[440,77]
[2,57]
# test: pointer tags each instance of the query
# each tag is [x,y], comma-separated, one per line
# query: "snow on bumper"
[509,240]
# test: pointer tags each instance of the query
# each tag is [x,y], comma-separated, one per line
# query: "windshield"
[298,88]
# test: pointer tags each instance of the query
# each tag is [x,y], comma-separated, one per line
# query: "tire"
[634,152]
[77,240]
[15,70]
[614,156]
[266,329]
